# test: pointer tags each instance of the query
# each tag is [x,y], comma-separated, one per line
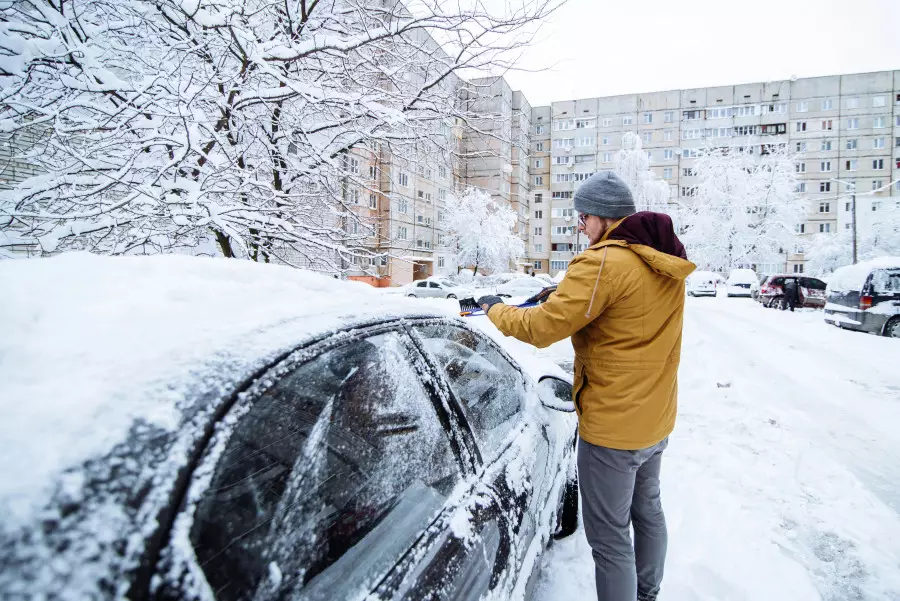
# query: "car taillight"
[865,302]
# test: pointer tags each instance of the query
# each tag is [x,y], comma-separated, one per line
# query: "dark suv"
[866,297]
[812,291]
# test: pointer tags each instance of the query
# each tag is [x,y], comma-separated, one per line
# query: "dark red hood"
[650,229]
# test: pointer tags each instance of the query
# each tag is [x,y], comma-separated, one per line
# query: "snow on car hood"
[853,277]
[92,345]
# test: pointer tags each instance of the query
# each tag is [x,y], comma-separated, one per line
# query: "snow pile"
[853,277]
[91,345]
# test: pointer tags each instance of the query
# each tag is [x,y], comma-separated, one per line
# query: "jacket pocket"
[580,382]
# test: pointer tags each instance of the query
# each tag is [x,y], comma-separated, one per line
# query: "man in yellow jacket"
[622,302]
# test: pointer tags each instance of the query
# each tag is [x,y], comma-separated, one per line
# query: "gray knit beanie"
[604,194]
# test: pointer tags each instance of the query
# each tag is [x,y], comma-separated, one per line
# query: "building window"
[667,173]
[607,157]
[538,163]
[538,231]
[562,160]
[584,123]
[607,121]
[851,165]
[402,232]
[692,115]
[691,134]
[564,230]
[748,111]
[627,120]
[352,165]
[403,205]
[373,201]
[538,264]
[690,153]
[825,166]
[802,106]
[538,180]
[539,214]
[442,194]
[801,228]
[877,185]
[827,104]
[563,213]
[852,144]
[441,218]
[404,179]
[800,167]
[778,107]
[801,125]
[824,186]
[876,204]
[563,143]
[688,191]
[824,207]
[801,187]
[648,117]
[668,116]
[648,136]
[668,154]
[853,123]
[879,122]
[688,172]
[539,147]
[562,195]
[798,268]
[877,142]
[586,141]
[538,129]
[826,145]
[827,125]
[853,103]
[441,262]
[824,228]
[421,194]
[878,101]
[538,199]
[801,146]
[564,124]
[847,206]
[442,172]
[558,265]
[878,164]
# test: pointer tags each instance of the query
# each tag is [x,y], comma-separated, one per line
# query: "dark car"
[811,290]
[363,450]
[866,297]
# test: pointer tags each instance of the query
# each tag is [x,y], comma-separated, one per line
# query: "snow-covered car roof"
[111,367]
[853,277]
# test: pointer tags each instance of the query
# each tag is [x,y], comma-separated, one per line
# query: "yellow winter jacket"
[623,306]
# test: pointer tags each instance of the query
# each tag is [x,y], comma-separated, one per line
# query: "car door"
[321,478]
[491,392]
[436,290]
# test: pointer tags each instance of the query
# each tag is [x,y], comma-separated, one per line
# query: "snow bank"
[853,277]
[93,344]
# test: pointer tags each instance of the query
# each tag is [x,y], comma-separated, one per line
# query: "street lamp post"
[852,187]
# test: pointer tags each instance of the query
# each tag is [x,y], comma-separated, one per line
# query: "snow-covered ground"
[782,478]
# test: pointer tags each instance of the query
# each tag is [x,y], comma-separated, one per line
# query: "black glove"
[490,300]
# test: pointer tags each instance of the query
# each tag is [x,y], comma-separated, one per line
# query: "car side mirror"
[556,394]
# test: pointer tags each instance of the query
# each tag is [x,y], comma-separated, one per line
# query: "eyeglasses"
[582,219]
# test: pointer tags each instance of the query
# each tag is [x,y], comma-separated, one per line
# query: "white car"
[436,288]
[742,282]
[702,283]
[526,286]
[546,277]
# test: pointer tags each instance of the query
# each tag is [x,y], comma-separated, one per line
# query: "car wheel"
[503,295]
[453,296]
[411,295]
[780,304]
[567,516]
[690,293]
[892,328]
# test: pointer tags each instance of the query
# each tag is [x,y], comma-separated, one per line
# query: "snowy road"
[782,478]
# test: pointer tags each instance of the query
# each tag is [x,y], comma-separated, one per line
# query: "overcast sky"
[606,47]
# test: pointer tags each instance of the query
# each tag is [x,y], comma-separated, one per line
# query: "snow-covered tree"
[746,208]
[633,166]
[827,252]
[162,125]
[830,251]
[482,232]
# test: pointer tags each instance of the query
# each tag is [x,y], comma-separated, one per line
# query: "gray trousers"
[620,488]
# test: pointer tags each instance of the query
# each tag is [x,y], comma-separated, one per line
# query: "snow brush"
[469,307]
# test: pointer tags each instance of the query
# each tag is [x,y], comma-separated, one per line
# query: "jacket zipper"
[584,382]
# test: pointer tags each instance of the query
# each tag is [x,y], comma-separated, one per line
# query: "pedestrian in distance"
[622,302]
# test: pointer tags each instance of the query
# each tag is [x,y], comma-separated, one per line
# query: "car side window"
[491,389]
[433,285]
[422,285]
[328,478]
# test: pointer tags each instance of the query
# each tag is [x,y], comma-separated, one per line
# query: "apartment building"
[845,130]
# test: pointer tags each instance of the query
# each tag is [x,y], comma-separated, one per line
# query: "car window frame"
[482,459]
[447,415]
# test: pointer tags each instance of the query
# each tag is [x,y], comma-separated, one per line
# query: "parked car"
[702,283]
[436,288]
[526,286]
[741,282]
[322,442]
[866,297]
[812,291]
[548,281]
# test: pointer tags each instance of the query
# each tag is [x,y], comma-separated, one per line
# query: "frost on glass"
[490,388]
[330,459]
[886,281]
